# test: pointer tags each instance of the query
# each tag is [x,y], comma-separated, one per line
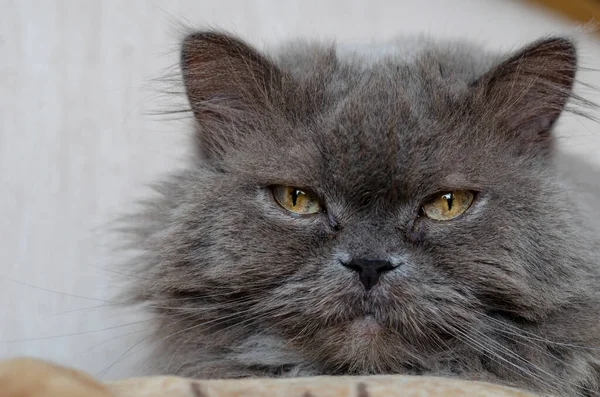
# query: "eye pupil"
[449,200]
[295,194]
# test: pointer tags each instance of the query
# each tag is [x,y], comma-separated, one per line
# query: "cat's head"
[369,214]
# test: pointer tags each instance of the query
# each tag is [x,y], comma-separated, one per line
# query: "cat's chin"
[366,326]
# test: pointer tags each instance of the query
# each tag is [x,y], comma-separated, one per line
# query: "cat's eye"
[449,205]
[296,200]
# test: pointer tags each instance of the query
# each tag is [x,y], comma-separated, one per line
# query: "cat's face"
[312,217]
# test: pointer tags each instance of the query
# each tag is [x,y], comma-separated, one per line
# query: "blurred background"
[79,141]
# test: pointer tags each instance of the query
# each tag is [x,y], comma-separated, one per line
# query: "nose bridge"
[368,240]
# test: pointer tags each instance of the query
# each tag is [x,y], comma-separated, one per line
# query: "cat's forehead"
[381,122]
[402,89]
[393,118]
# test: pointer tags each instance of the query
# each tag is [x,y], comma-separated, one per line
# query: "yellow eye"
[296,200]
[449,205]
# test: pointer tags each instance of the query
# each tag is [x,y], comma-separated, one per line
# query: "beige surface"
[76,144]
[25,377]
[34,378]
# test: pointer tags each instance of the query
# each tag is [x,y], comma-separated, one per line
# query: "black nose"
[369,270]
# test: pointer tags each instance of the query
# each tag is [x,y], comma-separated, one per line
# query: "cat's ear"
[230,87]
[527,92]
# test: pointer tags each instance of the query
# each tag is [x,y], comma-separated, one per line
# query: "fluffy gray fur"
[508,292]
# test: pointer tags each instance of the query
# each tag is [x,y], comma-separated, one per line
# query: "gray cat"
[390,210]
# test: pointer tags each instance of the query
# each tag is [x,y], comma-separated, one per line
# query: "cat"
[397,209]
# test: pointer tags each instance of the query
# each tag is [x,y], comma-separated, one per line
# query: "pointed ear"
[229,85]
[527,92]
